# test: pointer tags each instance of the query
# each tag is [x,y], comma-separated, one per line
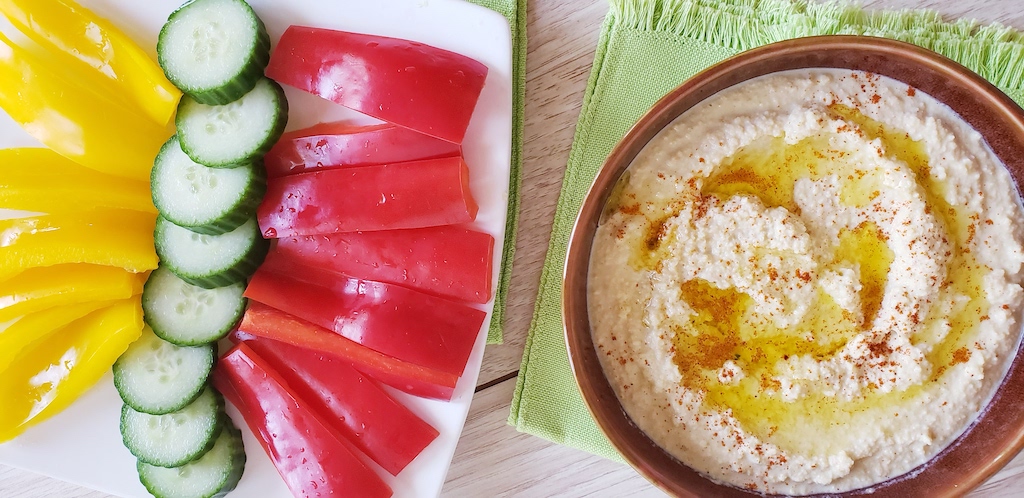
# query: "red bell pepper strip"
[307,454]
[408,325]
[392,196]
[350,404]
[343,145]
[410,84]
[261,320]
[448,261]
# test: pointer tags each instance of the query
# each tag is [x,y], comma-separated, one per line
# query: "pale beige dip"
[748,331]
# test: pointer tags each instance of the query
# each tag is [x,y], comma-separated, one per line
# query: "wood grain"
[562,36]
[492,458]
[495,460]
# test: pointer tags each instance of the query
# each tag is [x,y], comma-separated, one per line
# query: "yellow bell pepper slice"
[29,330]
[38,289]
[49,377]
[102,53]
[74,120]
[37,179]
[110,237]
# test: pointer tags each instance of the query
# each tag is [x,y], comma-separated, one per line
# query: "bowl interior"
[991,441]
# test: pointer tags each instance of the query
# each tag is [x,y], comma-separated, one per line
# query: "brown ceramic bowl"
[995,437]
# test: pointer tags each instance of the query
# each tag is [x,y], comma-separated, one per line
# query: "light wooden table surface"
[493,459]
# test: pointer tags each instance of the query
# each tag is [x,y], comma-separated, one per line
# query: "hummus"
[810,282]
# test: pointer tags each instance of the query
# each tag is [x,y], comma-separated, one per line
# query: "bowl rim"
[575,312]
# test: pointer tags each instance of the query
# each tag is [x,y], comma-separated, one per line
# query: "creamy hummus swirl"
[809,282]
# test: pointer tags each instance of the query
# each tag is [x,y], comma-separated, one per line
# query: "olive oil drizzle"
[723,327]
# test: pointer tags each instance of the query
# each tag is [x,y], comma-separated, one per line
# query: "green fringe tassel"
[994,51]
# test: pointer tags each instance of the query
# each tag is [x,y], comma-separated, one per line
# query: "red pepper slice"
[350,403]
[307,454]
[343,145]
[401,195]
[447,261]
[410,84]
[408,325]
[261,320]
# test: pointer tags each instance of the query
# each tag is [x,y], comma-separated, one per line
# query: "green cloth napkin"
[515,12]
[648,47]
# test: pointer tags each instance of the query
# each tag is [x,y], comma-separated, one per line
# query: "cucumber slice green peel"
[236,133]
[156,377]
[214,50]
[210,261]
[205,200]
[175,438]
[213,475]
[188,315]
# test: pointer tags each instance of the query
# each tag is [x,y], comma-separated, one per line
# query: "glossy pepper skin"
[35,327]
[47,378]
[416,194]
[110,237]
[38,289]
[350,404]
[38,179]
[448,261]
[407,83]
[76,121]
[263,321]
[308,455]
[408,325]
[99,53]
[344,145]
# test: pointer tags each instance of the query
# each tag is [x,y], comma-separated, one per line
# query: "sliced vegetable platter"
[83,444]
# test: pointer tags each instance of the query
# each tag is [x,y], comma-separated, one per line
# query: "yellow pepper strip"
[110,237]
[38,289]
[29,330]
[98,49]
[37,179]
[74,120]
[50,376]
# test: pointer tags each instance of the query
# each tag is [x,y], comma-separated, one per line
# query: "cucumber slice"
[224,136]
[210,261]
[205,200]
[214,50]
[188,315]
[156,377]
[213,475]
[176,438]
